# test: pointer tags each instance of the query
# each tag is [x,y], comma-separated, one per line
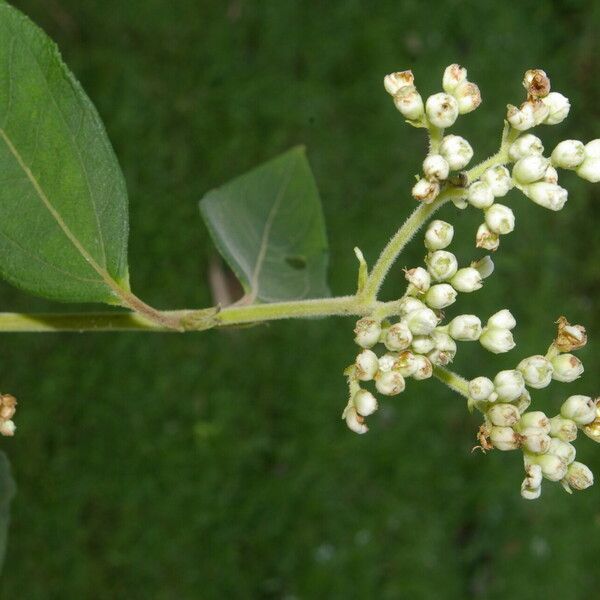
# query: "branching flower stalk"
[408,338]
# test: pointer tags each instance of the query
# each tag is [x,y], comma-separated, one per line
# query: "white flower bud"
[500,219]
[480,195]
[465,328]
[440,296]
[521,119]
[579,477]
[553,467]
[467,280]
[503,415]
[394,82]
[424,368]
[503,319]
[558,108]
[592,149]
[422,321]
[387,362]
[540,111]
[523,401]
[367,365]
[569,154]
[551,175]
[406,364]
[485,266]
[535,419]
[525,145]
[498,179]
[425,191]
[457,152]
[497,340]
[398,336]
[536,370]
[480,388]
[439,234]
[409,102]
[390,383]
[419,278]
[487,239]
[590,170]
[436,167]
[529,493]
[7,428]
[442,110]
[530,169]
[547,195]
[408,305]
[367,332]
[355,421]
[535,440]
[422,344]
[567,368]
[581,409]
[531,488]
[453,76]
[563,450]
[444,348]
[504,438]
[509,385]
[441,265]
[563,429]
[468,96]
[364,403]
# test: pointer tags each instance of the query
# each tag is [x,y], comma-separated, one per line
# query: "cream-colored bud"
[579,476]
[563,429]
[530,169]
[444,349]
[553,467]
[523,401]
[480,388]
[521,118]
[366,365]
[486,239]
[531,488]
[535,440]
[390,383]
[503,415]
[569,154]
[503,319]
[480,195]
[441,265]
[551,175]
[467,280]
[590,170]
[453,76]
[497,340]
[364,403]
[498,179]
[426,191]
[535,419]
[468,96]
[592,149]
[504,438]
[440,296]
[419,278]
[355,421]
[563,450]
[537,371]
[422,321]
[485,266]
[394,82]
[581,409]
[406,364]
[409,102]
[558,108]
[525,145]
[408,305]
[442,110]
[567,368]
[457,152]
[367,332]
[436,167]
[398,336]
[465,328]
[439,234]
[509,385]
[424,368]
[422,344]
[7,428]
[547,195]
[500,219]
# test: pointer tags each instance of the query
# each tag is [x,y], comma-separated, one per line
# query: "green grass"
[215,465]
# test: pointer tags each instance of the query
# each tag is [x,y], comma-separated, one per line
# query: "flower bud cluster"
[575,156]
[8,407]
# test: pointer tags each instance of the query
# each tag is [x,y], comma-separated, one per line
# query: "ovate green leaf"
[63,202]
[268,225]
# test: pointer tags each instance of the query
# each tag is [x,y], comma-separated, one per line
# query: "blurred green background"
[215,465]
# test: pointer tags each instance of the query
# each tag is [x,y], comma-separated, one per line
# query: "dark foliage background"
[215,465]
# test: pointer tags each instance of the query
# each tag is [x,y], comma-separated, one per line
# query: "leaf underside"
[268,225]
[63,201]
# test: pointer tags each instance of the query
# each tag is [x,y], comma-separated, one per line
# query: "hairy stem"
[452,380]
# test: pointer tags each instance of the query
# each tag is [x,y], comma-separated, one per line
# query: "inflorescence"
[417,342]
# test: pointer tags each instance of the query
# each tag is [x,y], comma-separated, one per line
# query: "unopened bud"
[442,110]
[480,195]
[567,368]
[440,296]
[444,348]
[523,401]
[406,364]
[531,488]
[581,409]
[439,234]
[436,167]
[547,195]
[480,388]
[486,238]
[509,385]
[468,96]
[422,344]
[498,179]
[409,102]
[408,305]
[367,332]
[579,477]
[504,438]
[465,328]
[536,370]
[394,82]
[521,118]
[467,280]
[558,108]
[425,191]
[485,266]
[563,450]
[500,219]
[530,169]
[419,278]
[453,76]
[367,365]
[569,154]
[398,336]
[503,415]
[563,429]
[7,428]
[503,319]
[551,175]
[525,145]
[441,265]
[497,340]
[535,440]
[390,383]
[364,403]
[590,170]
[457,152]
[553,467]
[535,419]
[422,321]
[355,421]
[424,368]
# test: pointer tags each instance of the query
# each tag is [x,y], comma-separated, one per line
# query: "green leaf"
[7,491]
[269,227]
[63,202]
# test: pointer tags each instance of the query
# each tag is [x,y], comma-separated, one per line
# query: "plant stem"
[452,380]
